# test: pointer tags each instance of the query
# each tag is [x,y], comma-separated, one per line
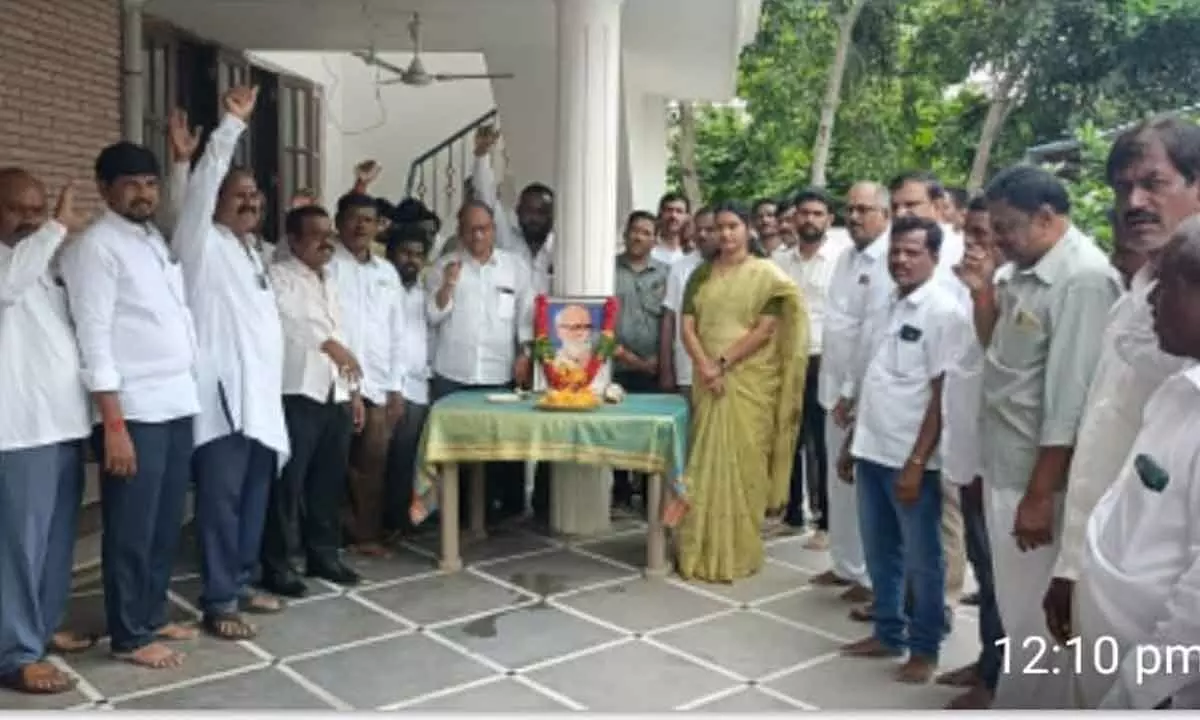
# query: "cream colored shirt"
[813,276]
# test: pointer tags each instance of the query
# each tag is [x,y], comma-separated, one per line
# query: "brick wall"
[60,87]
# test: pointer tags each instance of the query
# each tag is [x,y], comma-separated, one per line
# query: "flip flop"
[229,626]
[261,604]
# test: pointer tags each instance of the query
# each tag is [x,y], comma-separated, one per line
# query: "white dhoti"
[845,540]
[1034,676]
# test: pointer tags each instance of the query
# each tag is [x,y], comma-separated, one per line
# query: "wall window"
[299,139]
[159,87]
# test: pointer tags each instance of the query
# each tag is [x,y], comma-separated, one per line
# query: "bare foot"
[371,549]
[916,670]
[66,642]
[829,579]
[858,594]
[39,678]
[870,648]
[177,632]
[863,614]
[155,656]
[966,676]
[977,698]
[817,541]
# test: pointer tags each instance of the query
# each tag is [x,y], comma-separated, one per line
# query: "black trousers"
[402,466]
[811,466]
[304,509]
[505,480]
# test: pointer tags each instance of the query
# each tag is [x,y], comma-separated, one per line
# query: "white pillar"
[133,89]
[589,100]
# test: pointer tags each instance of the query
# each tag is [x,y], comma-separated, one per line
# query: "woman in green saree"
[746,329]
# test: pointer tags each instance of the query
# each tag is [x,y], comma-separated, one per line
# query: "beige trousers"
[953,541]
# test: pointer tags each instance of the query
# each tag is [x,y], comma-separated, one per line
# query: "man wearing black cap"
[137,344]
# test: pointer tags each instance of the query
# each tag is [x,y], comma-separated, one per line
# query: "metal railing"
[439,177]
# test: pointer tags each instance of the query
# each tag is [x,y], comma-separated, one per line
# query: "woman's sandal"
[229,626]
[261,604]
[39,678]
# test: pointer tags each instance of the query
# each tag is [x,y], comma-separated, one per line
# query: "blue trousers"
[233,481]
[40,492]
[142,517]
[903,542]
[979,554]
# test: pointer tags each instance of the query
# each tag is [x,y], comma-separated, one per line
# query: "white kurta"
[1139,586]
[240,365]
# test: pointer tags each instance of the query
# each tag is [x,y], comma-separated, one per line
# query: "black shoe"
[971,599]
[286,585]
[334,571]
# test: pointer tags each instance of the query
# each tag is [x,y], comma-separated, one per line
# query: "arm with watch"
[908,485]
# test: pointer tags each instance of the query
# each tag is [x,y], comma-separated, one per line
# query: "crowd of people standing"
[942,380]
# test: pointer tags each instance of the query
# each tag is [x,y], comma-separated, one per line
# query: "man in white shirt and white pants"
[241,438]
[860,286]
[44,421]
[138,348]
[1139,580]
[368,293]
[321,407]
[480,302]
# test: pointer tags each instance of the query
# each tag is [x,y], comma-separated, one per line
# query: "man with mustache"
[859,287]
[322,409]
[408,246]
[674,364]
[766,225]
[45,420]
[1126,257]
[241,438]
[368,290]
[137,344]
[673,210]
[810,265]
[1154,170]
[1042,325]
[787,225]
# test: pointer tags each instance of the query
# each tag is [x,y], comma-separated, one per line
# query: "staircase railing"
[439,176]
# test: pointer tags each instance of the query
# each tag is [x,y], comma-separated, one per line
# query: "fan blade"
[442,77]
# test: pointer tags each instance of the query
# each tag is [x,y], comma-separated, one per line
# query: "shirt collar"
[1193,375]
[305,270]
[878,246]
[916,297]
[122,223]
[1055,261]
[344,253]
[651,265]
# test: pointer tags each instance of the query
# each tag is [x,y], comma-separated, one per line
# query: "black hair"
[293,222]
[814,194]
[911,223]
[1028,189]
[932,184]
[538,188]
[234,173]
[475,204]
[1180,139]
[672,197]
[403,233]
[125,159]
[959,196]
[977,204]
[352,200]
[734,209]
[763,201]
[639,215]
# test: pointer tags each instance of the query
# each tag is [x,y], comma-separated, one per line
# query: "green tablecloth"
[645,433]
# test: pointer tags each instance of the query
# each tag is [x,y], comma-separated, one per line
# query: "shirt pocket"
[650,296]
[908,353]
[1022,341]
[506,303]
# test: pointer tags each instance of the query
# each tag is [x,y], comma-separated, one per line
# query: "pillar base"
[580,496]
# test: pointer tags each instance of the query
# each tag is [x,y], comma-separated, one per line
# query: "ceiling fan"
[415,75]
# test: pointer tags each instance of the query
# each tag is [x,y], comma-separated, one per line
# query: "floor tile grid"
[479,570]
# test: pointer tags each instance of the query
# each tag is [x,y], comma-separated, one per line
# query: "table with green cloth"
[642,433]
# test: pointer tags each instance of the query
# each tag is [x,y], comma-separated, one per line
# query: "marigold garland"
[560,377]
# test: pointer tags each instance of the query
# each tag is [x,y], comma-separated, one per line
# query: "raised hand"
[367,172]
[66,213]
[239,101]
[976,269]
[485,140]
[184,139]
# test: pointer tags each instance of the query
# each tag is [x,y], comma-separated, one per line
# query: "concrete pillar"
[133,90]
[589,104]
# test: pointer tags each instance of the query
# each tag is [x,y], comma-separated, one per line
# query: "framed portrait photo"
[575,336]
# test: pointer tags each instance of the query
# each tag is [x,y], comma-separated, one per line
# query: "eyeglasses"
[575,327]
[862,209]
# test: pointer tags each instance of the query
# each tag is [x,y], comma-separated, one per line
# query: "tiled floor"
[531,624]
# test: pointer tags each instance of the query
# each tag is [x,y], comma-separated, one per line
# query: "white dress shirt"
[135,331]
[860,287]
[44,401]
[1121,387]
[1141,564]
[308,309]
[508,231]
[369,301]
[813,276]
[667,255]
[240,368]
[915,340]
[677,280]
[490,312]
[414,343]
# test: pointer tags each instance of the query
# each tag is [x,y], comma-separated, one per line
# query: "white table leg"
[451,560]
[656,540]
[478,501]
